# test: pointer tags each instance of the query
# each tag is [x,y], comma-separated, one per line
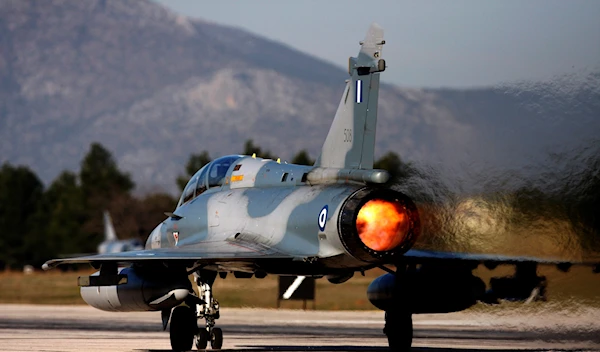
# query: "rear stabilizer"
[109,230]
[350,143]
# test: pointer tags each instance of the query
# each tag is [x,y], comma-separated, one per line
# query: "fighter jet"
[111,243]
[252,217]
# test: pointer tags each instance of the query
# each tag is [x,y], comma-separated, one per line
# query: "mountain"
[154,87]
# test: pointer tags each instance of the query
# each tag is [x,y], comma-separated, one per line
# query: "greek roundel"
[323,218]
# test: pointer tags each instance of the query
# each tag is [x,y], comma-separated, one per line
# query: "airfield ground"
[61,322]
[82,328]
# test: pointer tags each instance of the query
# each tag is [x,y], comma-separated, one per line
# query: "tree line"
[65,218]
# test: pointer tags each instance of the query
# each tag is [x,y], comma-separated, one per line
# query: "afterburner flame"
[382,225]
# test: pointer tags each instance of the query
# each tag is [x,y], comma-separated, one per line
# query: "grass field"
[579,286]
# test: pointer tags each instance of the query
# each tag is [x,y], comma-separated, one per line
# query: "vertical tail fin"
[350,143]
[109,230]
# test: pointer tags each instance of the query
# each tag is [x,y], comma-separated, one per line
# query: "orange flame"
[382,225]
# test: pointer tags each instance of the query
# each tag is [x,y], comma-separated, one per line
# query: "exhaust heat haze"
[382,225]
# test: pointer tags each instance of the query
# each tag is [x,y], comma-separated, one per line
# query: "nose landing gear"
[209,311]
[185,330]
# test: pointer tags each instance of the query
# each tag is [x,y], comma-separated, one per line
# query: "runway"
[82,328]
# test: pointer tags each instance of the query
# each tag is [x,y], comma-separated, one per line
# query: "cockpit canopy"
[210,175]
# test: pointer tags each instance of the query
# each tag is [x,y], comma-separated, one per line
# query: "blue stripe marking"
[358,91]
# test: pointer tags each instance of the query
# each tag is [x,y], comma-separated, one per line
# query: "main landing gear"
[398,318]
[399,330]
[185,331]
[183,328]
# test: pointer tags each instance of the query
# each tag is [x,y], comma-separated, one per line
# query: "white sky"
[429,43]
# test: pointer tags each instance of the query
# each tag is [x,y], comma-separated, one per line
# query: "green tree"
[100,174]
[21,195]
[392,163]
[195,163]
[250,148]
[302,158]
[66,213]
[104,187]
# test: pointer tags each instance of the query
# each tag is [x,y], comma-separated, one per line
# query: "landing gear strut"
[209,311]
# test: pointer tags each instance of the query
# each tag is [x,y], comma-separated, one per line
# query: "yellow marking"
[278,161]
[237,178]
[253,155]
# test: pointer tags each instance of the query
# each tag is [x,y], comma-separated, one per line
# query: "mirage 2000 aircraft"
[252,217]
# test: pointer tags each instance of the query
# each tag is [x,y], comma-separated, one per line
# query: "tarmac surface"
[82,328]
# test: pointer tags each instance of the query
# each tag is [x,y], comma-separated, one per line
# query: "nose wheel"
[216,338]
[202,339]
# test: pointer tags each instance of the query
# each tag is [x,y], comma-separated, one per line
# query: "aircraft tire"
[216,338]
[399,330]
[202,339]
[183,328]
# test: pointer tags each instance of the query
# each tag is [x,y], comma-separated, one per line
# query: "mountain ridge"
[154,87]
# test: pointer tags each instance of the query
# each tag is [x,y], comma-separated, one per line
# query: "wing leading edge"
[172,254]
[415,256]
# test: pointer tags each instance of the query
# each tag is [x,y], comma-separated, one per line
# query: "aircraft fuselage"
[264,206]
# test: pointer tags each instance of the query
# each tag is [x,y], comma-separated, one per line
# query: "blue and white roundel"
[323,218]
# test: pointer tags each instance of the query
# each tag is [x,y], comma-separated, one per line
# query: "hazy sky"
[429,43]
